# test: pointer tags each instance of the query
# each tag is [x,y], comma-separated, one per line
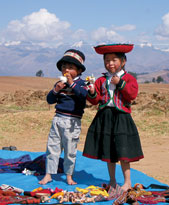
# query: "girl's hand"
[58,86]
[115,80]
[91,89]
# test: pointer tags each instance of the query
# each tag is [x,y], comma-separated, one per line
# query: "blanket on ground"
[87,172]
[18,164]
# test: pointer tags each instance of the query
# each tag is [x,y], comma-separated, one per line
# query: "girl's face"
[113,63]
[70,68]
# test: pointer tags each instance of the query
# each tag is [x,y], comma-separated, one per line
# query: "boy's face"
[71,69]
[113,63]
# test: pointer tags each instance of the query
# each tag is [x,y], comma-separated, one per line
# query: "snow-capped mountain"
[25,59]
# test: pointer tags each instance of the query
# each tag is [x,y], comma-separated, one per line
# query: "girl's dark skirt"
[113,136]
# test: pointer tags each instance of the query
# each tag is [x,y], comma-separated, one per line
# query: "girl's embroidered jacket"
[126,91]
[71,100]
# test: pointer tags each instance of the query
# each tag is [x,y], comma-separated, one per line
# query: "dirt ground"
[25,120]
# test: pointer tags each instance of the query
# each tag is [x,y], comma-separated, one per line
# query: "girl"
[113,135]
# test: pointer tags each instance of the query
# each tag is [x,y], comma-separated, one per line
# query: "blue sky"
[56,22]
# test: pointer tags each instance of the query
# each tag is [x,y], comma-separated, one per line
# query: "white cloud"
[127,27]
[38,26]
[142,38]
[162,32]
[47,30]
[145,44]
[12,43]
[102,33]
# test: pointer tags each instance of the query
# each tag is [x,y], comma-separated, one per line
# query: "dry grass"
[25,120]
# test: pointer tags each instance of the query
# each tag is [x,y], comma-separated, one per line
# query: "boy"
[66,126]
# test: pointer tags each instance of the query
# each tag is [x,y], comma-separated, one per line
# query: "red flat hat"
[114,48]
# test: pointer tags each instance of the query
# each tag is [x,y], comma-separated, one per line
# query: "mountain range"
[26,59]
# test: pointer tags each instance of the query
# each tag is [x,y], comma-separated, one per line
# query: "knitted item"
[151,199]
[8,193]
[74,198]
[138,194]
[93,190]
[121,199]
[6,187]
[112,192]
[4,200]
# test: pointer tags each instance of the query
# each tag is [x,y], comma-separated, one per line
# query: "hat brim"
[70,60]
[114,48]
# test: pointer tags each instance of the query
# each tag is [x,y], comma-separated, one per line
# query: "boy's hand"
[69,78]
[115,80]
[58,86]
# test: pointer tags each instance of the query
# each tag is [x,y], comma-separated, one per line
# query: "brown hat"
[113,48]
[72,56]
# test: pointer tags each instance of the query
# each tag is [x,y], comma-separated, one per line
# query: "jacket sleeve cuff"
[72,85]
[92,95]
[54,91]
[121,84]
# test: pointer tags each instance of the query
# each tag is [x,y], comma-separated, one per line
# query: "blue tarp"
[87,172]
